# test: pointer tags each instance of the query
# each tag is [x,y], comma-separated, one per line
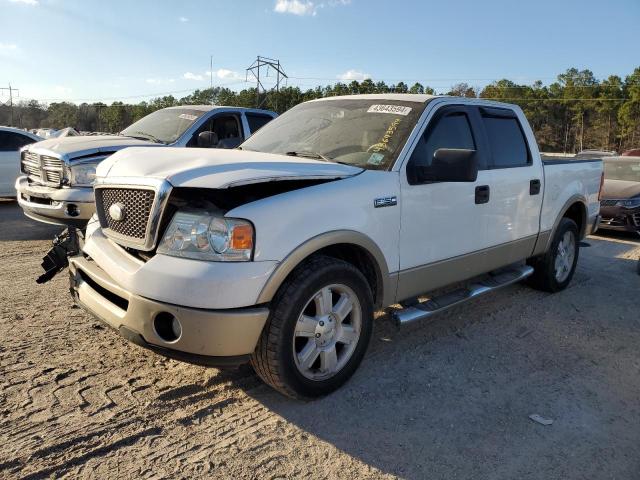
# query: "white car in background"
[11,141]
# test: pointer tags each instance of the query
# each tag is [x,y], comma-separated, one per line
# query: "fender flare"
[386,287]
[543,244]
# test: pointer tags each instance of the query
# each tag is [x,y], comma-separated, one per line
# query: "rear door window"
[506,139]
[257,121]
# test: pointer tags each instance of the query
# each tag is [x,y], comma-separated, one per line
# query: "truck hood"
[620,189]
[216,168]
[70,148]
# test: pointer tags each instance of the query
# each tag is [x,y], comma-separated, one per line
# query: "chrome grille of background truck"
[42,168]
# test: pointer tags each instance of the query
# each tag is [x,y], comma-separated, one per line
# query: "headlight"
[630,203]
[204,236]
[84,174]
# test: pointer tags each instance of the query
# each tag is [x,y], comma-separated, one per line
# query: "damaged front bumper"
[201,336]
[620,218]
[58,206]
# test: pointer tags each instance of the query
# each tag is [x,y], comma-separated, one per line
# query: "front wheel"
[318,330]
[554,270]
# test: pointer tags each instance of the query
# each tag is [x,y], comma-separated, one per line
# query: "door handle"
[482,194]
[534,187]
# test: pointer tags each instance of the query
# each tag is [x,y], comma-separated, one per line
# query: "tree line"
[575,112]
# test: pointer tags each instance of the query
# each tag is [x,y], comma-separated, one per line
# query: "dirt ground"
[449,398]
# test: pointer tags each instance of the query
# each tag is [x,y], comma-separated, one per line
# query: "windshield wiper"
[306,154]
[146,136]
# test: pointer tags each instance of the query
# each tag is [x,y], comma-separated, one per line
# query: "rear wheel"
[554,270]
[318,330]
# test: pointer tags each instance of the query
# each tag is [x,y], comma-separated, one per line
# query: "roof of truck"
[207,108]
[421,98]
[407,97]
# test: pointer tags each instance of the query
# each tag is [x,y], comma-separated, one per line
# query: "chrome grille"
[636,219]
[42,168]
[608,203]
[136,203]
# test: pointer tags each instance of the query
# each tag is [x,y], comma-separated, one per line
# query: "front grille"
[636,219]
[608,203]
[136,204]
[42,168]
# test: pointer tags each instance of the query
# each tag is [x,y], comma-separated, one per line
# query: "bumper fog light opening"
[167,327]
[72,210]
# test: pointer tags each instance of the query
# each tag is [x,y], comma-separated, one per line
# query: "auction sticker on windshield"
[394,109]
[186,116]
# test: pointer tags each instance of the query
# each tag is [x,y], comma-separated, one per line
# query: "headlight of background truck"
[83,174]
[204,236]
[630,203]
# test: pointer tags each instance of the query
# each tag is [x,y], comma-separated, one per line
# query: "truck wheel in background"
[554,270]
[318,330]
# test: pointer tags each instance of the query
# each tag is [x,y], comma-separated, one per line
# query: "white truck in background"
[279,252]
[58,173]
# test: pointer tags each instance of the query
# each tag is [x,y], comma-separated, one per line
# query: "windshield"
[622,170]
[365,133]
[163,126]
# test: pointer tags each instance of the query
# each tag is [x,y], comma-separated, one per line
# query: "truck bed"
[569,179]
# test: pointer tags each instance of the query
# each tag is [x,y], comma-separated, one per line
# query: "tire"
[301,323]
[554,270]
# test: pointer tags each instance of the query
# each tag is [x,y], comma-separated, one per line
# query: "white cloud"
[193,76]
[305,7]
[62,91]
[295,7]
[159,81]
[183,19]
[225,74]
[351,75]
[26,2]
[8,47]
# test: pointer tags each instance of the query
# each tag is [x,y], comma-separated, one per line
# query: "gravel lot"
[449,398]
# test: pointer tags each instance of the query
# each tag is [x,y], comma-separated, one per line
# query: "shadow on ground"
[15,226]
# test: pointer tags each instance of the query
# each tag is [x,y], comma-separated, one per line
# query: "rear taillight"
[601,185]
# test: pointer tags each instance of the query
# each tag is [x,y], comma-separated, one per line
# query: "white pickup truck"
[279,252]
[58,173]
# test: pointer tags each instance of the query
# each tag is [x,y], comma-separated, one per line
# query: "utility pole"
[211,76]
[254,69]
[11,91]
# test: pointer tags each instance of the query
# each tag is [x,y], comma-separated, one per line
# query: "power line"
[126,97]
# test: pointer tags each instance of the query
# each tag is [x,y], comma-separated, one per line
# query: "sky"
[134,50]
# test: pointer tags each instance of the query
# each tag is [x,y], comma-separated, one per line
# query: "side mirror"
[207,140]
[450,165]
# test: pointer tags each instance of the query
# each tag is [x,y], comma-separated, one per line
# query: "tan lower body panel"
[416,281]
[543,243]
[216,333]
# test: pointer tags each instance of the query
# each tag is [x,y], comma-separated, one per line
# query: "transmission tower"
[264,63]
[10,102]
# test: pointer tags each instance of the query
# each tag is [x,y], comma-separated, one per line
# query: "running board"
[438,304]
